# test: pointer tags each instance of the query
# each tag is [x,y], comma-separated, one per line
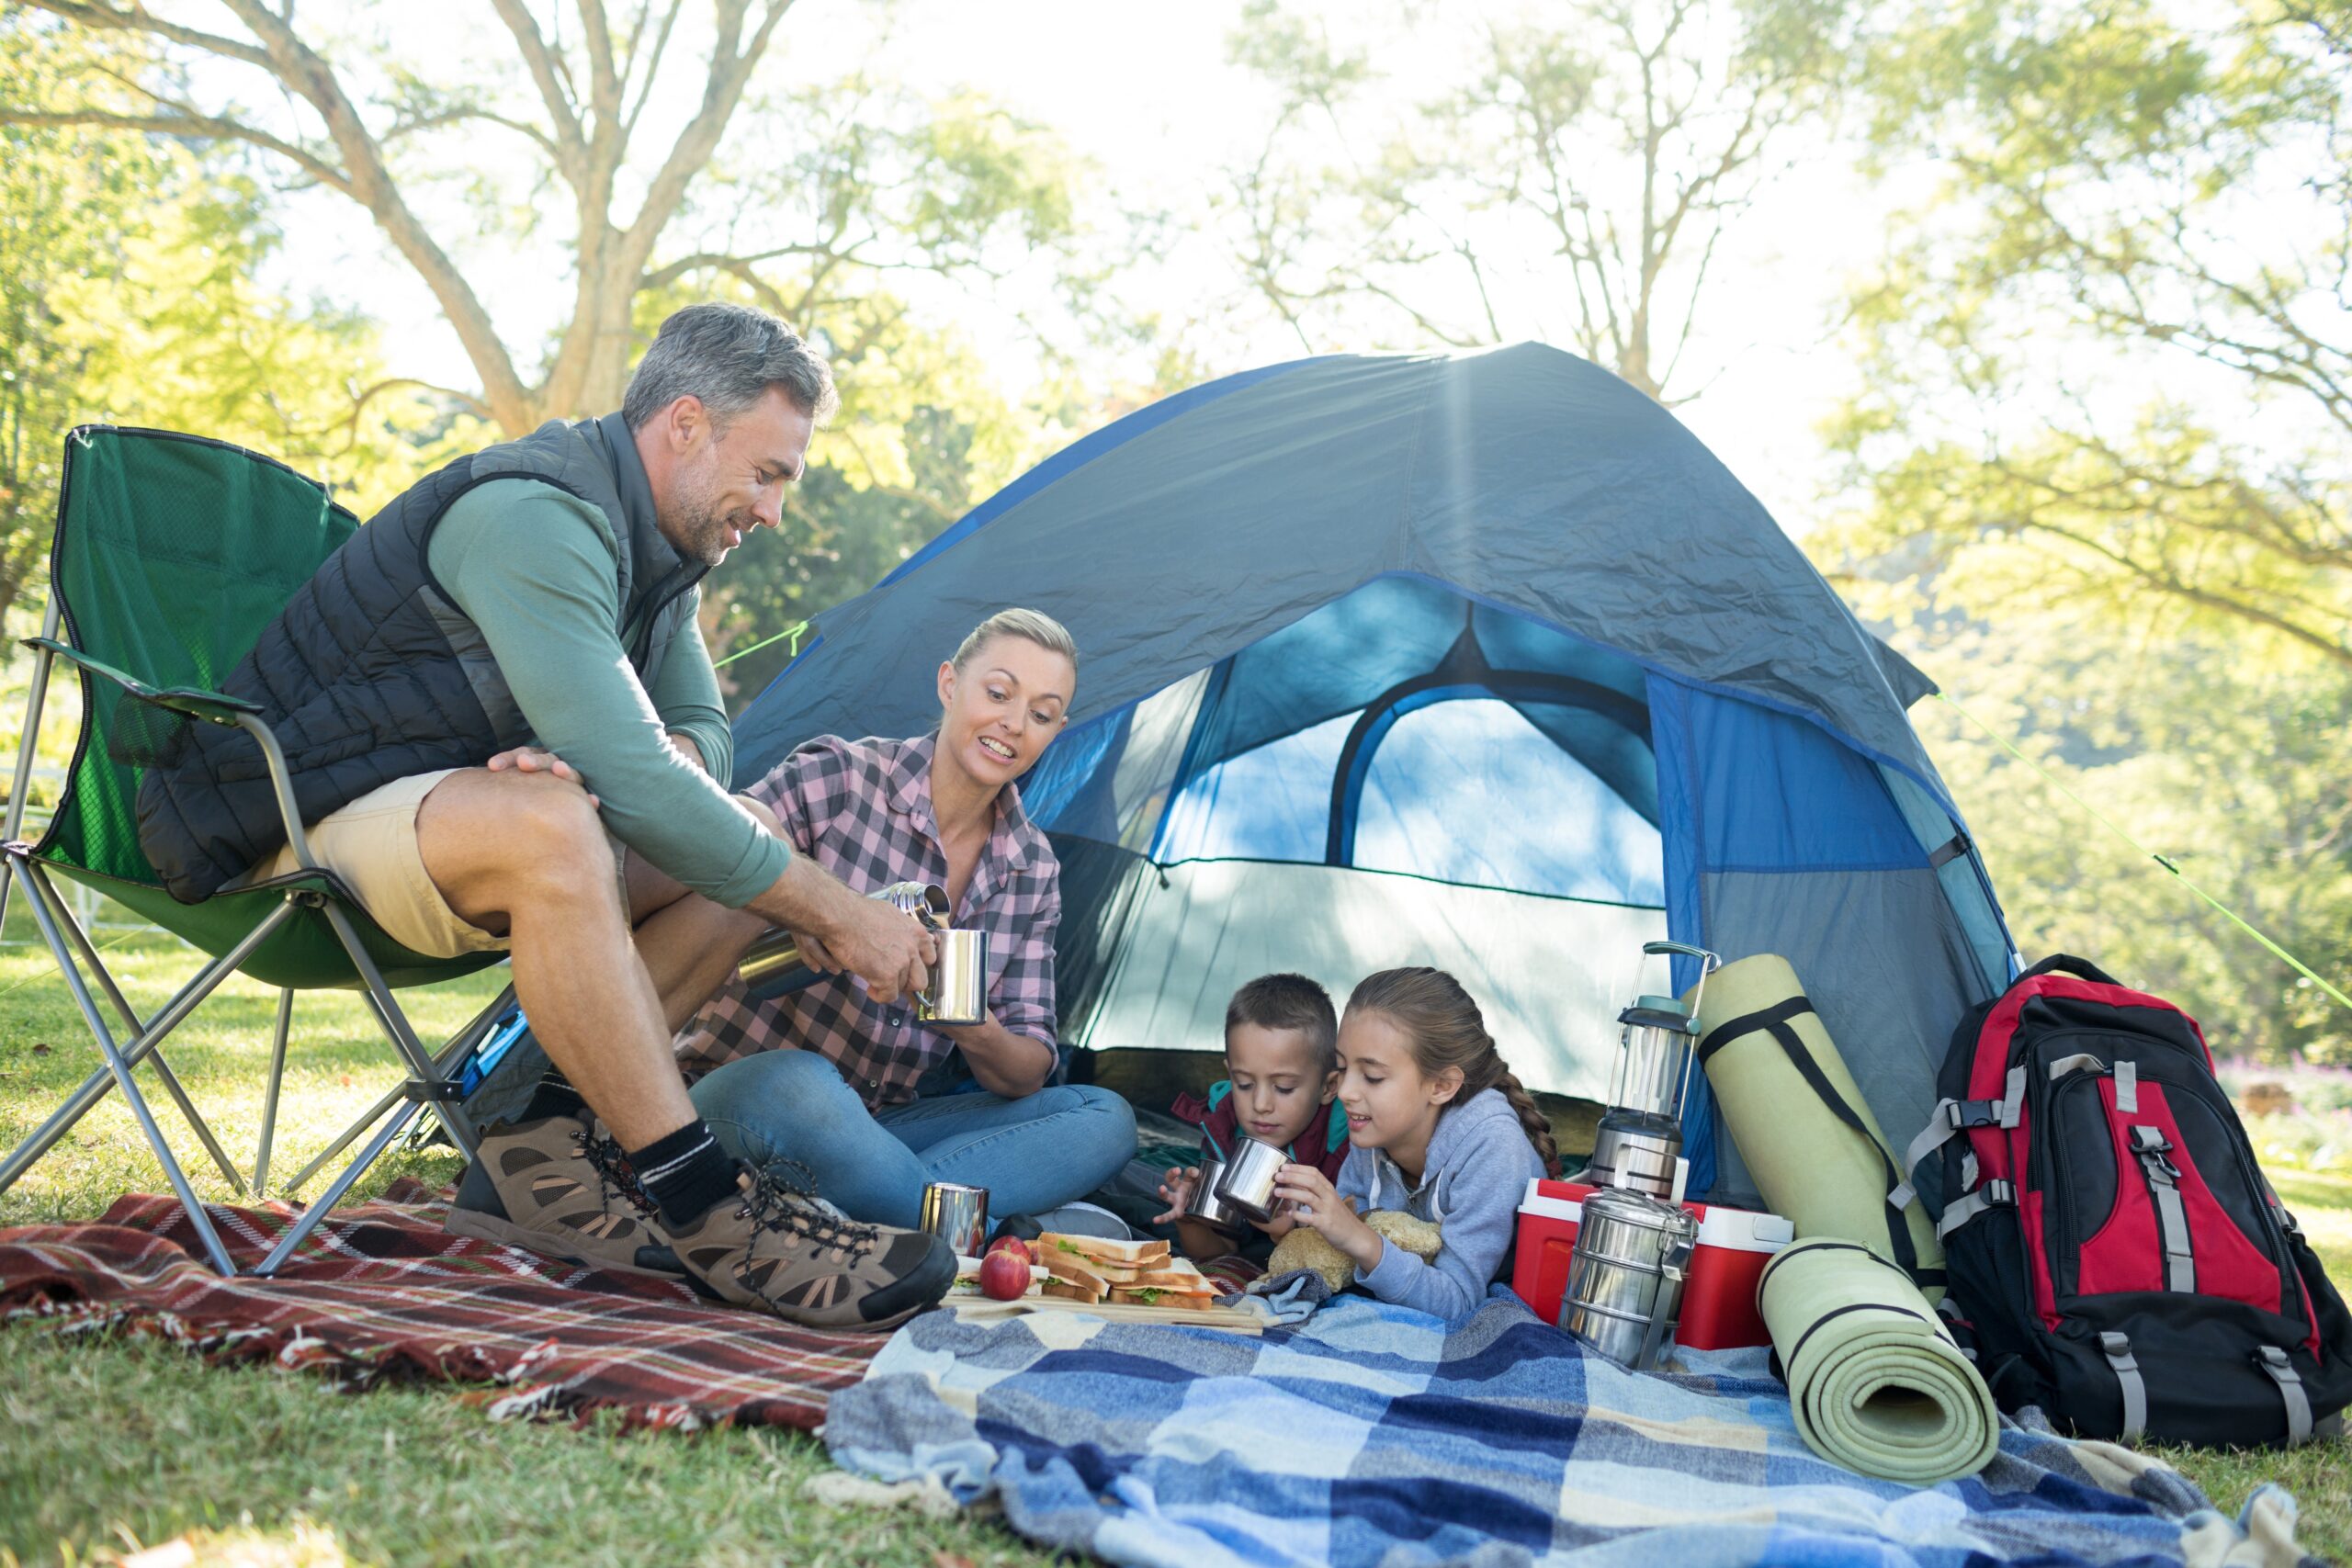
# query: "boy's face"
[1277,1093]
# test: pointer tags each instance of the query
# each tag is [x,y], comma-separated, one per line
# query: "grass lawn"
[106,1447]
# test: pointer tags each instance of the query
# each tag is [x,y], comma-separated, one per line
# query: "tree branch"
[541,64]
[730,68]
[194,127]
[136,20]
[370,183]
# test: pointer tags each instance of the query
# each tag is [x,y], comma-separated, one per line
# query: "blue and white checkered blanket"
[1374,1435]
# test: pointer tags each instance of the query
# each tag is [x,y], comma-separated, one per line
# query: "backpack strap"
[1991,1195]
[2126,1087]
[2117,1348]
[2274,1361]
[2065,962]
[1949,1119]
[2150,1146]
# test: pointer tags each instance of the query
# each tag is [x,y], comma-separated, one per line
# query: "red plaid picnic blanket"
[380,1291]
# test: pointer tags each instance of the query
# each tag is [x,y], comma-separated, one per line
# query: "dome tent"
[1478,661]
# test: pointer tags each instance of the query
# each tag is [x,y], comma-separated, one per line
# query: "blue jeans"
[1032,1153]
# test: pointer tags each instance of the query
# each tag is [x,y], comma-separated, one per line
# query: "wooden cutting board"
[1228,1319]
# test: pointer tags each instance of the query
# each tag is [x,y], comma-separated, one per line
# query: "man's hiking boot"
[561,1187]
[777,1250]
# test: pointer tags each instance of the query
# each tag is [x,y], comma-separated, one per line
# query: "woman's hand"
[1176,1191]
[1314,1201]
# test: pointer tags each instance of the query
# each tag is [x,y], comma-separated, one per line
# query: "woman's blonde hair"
[1444,1029]
[1032,626]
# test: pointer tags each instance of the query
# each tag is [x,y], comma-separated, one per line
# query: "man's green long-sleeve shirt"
[536,568]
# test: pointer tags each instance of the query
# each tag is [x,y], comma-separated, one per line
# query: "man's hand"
[815,954]
[537,760]
[886,947]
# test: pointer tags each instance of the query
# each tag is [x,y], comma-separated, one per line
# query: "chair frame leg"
[314,1214]
[163,1074]
[269,1096]
[120,1068]
[94,1087]
[426,1083]
[452,1055]
[14,823]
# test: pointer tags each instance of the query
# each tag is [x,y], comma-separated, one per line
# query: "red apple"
[1014,1244]
[1004,1274]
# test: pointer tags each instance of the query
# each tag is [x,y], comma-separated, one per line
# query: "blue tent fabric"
[1496,622]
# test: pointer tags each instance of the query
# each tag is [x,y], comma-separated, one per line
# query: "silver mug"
[1247,1185]
[958,1215]
[958,992]
[1205,1205]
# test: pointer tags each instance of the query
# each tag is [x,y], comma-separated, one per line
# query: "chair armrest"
[214,707]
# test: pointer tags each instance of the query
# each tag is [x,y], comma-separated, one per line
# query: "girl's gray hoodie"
[1477,1172]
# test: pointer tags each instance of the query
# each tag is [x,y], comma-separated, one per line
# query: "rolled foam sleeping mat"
[1817,1155]
[1874,1379]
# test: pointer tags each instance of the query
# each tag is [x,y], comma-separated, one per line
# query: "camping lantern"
[1639,1142]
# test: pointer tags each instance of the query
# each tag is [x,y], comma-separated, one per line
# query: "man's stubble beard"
[697,528]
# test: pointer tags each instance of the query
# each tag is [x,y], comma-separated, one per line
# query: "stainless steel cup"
[956,1215]
[1205,1204]
[958,992]
[1247,1185]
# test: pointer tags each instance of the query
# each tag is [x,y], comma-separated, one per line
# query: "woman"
[825,1085]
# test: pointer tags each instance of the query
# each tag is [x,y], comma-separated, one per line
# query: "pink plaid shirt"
[863,809]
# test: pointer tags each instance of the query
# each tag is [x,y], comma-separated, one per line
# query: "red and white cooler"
[1719,1297]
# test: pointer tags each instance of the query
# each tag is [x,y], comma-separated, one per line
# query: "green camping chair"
[171,556]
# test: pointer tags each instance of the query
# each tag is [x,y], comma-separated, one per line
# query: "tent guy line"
[2305,970]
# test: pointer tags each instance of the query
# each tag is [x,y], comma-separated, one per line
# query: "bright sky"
[1143,89]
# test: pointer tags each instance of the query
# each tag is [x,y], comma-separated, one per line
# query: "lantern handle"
[1708,964]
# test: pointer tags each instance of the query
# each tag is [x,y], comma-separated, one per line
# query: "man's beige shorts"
[370,845]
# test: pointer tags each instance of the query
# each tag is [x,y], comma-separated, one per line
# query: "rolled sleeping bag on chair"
[1817,1155]
[1875,1380]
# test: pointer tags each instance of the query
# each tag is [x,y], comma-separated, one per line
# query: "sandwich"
[1092,1268]
[1100,1252]
[1200,1300]
[1173,1283]
[1071,1279]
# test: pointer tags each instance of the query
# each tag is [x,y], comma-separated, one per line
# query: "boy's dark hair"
[1290,1002]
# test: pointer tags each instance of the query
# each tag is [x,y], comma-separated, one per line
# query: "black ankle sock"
[686,1172]
[555,1097]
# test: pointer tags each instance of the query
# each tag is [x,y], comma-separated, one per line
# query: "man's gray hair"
[728,355]
[1033,626]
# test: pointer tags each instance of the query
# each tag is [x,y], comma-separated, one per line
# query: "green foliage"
[2117,335]
[2234,771]
[2096,467]
[128,294]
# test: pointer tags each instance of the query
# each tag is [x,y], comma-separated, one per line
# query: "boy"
[1282,1058]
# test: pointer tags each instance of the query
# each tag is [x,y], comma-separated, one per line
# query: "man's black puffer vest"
[371,673]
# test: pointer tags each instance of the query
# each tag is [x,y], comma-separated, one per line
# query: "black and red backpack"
[2113,1251]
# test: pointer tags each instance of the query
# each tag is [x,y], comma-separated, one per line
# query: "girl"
[1437,1127]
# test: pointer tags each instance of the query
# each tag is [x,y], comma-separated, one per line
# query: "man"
[497,672]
